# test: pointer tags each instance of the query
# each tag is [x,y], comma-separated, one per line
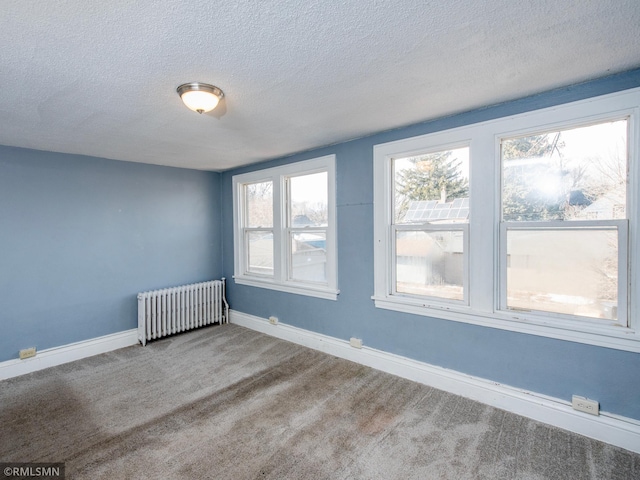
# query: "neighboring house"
[424,259]
[610,205]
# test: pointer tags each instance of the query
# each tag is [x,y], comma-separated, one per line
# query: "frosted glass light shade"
[200,97]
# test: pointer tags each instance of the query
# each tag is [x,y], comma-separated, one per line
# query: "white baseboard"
[68,353]
[614,429]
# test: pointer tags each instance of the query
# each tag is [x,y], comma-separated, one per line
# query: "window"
[308,222]
[258,229]
[527,223]
[284,228]
[564,197]
[430,224]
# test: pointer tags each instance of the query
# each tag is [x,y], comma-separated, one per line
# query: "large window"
[564,222]
[284,228]
[527,223]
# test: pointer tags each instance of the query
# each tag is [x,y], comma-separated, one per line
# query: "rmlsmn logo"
[43,471]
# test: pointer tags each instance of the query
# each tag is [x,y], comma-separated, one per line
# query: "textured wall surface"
[100,78]
[548,366]
[79,237]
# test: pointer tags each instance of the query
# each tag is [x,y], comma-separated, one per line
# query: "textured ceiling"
[99,78]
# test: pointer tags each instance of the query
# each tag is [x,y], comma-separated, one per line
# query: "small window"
[430,224]
[308,223]
[284,220]
[258,231]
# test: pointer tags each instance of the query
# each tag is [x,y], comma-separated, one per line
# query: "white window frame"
[426,227]
[281,280]
[485,281]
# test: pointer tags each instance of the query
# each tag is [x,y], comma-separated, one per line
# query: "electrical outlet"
[355,342]
[586,405]
[27,353]
[273,320]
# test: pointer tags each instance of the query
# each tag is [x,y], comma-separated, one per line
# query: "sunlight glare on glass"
[310,188]
[573,174]
[549,186]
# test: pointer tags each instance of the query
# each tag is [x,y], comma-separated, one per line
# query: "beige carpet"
[228,403]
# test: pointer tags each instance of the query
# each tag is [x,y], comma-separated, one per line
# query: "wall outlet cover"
[585,405]
[27,353]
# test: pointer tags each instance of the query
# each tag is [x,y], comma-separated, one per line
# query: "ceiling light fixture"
[200,97]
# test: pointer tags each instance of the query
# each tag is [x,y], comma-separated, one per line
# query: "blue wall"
[552,367]
[80,236]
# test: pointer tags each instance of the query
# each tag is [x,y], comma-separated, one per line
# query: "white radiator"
[173,310]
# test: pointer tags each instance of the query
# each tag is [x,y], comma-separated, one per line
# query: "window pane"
[576,174]
[260,252]
[573,272]
[259,198]
[430,263]
[432,188]
[309,256]
[308,196]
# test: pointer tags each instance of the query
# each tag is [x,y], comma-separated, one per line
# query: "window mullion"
[501,281]
[391,262]
[623,272]
[633,214]
[484,186]
[279,217]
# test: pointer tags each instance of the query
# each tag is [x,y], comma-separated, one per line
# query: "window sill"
[308,290]
[609,336]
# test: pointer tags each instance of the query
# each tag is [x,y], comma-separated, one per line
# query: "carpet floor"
[225,402]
